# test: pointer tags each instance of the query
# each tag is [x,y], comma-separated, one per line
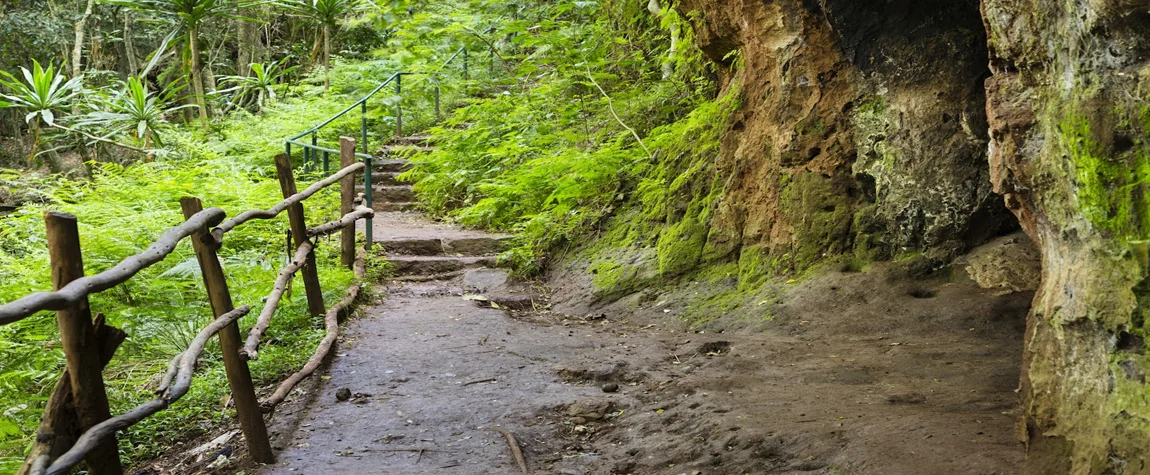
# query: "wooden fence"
[76,425]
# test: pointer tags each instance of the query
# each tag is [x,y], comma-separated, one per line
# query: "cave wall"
[862,130]
[1069,114]
[878,128]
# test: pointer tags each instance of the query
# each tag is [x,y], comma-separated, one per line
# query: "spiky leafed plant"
[41,94]
[133,110]
[191,14]
[259,87]
[326,14]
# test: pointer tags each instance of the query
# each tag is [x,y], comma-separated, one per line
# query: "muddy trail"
[869,372]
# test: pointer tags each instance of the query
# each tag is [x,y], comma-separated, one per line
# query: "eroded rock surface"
[1009,263]
[862,129]
[1069,117]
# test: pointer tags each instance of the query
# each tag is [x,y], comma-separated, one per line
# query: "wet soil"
[857,373]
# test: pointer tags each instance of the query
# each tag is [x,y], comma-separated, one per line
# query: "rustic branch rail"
[71,296]
[349,219]
[274,211]
[273,300]
[80,288]
[331,329]
[183,381]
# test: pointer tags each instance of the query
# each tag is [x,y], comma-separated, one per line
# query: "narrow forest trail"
[433,376]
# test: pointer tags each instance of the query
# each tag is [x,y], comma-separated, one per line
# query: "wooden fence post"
[346,202]
[59,428]
[299,234]
[239,377]
[77,336]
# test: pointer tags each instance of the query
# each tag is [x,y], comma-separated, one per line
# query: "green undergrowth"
[555,160]
[547,158]
[121,211]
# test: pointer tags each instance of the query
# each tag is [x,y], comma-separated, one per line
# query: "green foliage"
[192,13]
[257,89]
[548,158]
[322,12]
[31,31]
[121,211]
[40,96]
[132,111]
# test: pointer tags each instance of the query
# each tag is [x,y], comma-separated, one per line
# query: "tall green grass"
[121,211]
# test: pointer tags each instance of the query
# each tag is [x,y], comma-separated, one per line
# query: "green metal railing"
[318,157]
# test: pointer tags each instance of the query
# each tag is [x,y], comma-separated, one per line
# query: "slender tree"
[191,15]
[326,14]
[80,30]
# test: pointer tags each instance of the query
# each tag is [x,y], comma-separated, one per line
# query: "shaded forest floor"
[866,372]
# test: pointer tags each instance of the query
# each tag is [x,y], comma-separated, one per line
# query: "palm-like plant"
[133,110]
[192,14]
[40,95]
[259,87]
[326,14]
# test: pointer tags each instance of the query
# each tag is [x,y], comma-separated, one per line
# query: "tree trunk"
[129,45]
[316,47]
[78,47]
[35,126]
[326,56]
[248,43]
[197,73]
[58,426]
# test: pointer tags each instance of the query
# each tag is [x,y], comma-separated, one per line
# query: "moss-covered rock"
[1070,144]
[820,216]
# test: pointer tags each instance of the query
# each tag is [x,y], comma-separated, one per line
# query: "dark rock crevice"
[878,106]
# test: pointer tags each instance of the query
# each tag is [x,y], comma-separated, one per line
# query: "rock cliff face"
[1069,110]
[863,129]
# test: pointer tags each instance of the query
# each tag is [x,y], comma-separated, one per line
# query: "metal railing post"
[367,196]
[287,148]
[363,127]
[491,63]
[325,162]
[314,153]
[399,105]
[466,74]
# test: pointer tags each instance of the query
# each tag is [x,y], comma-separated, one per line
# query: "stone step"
[386,179]
[386,207]
[420,139]
[389,165]
[429,265]
[403,149]
[389,194]
[413,246]
[472,246]
[475,246]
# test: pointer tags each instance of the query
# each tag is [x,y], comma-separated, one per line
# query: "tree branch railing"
[71,405]
[80,288]
[270,213]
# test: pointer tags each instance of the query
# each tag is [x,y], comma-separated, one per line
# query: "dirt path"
[859,373]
